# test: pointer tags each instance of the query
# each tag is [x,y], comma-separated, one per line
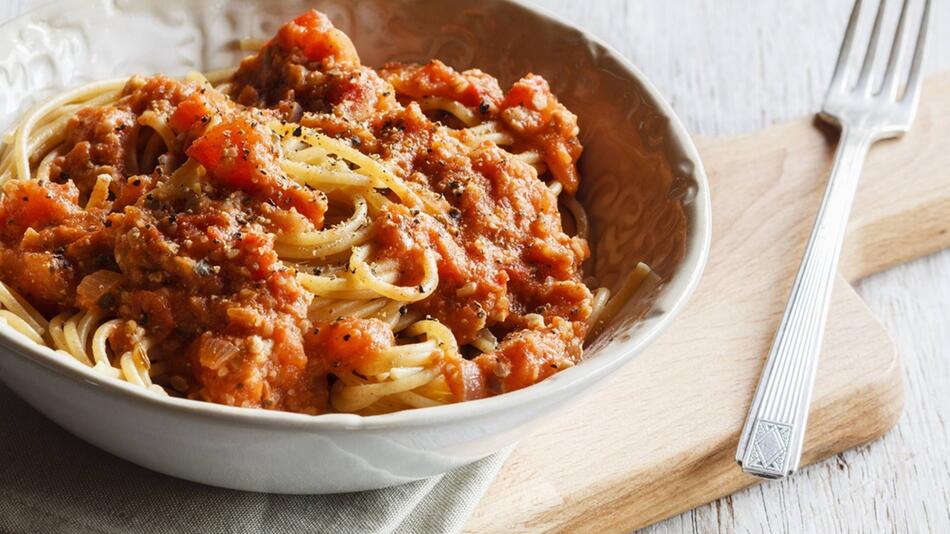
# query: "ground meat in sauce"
[196,270]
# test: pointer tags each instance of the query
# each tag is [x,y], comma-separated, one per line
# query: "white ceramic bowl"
[644,187]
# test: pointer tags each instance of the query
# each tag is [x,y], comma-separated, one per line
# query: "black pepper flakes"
[107,301]
[298,131]
[346,337]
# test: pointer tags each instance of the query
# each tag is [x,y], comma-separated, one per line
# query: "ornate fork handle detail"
[772,438]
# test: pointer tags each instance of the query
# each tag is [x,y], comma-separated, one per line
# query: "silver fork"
[771,442]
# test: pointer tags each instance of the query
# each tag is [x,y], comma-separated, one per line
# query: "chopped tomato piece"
[348,343]
[32,204]
[314,35]
[231,152]
[192,110]
[197,109]
[240,153]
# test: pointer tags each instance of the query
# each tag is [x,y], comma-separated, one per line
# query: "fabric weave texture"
[51,481]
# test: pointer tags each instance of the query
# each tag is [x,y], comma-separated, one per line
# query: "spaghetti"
[303,233]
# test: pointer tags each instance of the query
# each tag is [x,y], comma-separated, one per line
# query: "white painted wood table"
[734,66]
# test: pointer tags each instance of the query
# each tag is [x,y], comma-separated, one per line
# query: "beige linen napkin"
[51,481]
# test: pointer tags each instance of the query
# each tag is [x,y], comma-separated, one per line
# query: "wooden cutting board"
[660,436]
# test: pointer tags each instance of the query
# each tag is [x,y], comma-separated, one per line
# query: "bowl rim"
[678,292]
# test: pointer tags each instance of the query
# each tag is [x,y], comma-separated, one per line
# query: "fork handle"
[770,445]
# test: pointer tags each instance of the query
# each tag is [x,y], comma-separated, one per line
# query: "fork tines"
[889,81]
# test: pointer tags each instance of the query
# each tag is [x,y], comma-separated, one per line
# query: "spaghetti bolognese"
[303,232]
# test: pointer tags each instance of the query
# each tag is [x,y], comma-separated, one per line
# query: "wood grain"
[766,188]
[902,209]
